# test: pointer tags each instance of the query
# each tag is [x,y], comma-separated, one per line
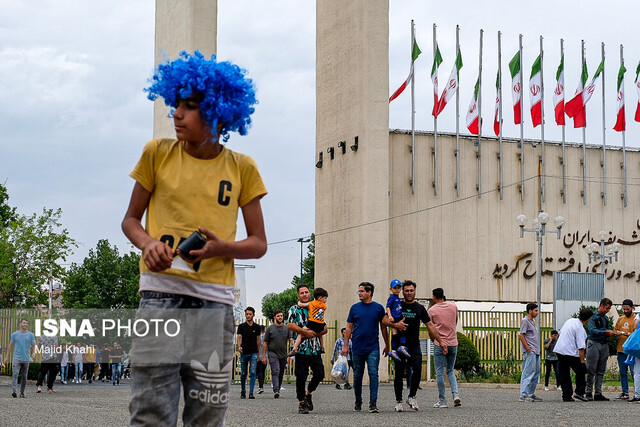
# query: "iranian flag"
[620,120]
[576,108]
[437,60]
[535,93]
[452,85]
[496,119]
[473,120]
[558,94]
[637,118]
[516,87]
[415,52]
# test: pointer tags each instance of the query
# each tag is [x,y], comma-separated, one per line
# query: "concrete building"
[460,234]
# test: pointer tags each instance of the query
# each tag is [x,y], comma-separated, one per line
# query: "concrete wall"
[181,25]
[470,245]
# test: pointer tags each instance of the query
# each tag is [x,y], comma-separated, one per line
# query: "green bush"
[468,357]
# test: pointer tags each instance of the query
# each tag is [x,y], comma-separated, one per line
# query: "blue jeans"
[530,374]
[445,362]
[624,378]
[373,360]
[252,361]
[156,383]
[116,371]
[78,371]
[64,370]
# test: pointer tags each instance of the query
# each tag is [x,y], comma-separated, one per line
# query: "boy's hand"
[214,247]
[157,256]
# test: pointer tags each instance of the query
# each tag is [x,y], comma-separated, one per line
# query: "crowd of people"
[583,351]
[358,343]
[73,363]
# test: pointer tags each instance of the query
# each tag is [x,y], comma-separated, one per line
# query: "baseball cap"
[394,283]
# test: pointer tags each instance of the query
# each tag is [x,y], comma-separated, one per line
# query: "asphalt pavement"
[102,404]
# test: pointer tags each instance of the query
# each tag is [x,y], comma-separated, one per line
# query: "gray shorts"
[200,359]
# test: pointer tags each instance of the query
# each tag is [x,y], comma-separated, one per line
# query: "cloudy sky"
[74,118]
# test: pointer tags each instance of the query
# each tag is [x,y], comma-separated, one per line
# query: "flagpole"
[458,118]
[542,187]
[521,123]
[624,146]
[479,100]
[413,117]
[564,159]
[604,142]
[500,108]
[584,146]
[435,125]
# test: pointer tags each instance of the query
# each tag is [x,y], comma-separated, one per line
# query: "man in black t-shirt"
[413,313]
[105,370]
[248,343]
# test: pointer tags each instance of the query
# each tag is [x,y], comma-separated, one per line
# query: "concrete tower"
[181,25]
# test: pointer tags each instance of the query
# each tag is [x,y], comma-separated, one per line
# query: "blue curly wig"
[228,96]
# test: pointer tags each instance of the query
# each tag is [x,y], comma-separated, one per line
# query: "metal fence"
[495,335]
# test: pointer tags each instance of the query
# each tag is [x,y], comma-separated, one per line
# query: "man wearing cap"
[625,325]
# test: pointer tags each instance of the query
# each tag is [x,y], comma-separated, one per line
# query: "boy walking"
[186,184]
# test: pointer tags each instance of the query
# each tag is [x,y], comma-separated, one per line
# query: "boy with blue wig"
[192,183]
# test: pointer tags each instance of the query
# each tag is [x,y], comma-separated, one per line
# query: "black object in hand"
[192,243]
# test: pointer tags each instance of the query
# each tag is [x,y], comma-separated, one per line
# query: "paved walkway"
[102,404]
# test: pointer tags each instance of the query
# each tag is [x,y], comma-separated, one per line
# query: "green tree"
[7,213]
[103,280]
[272,302]
[30,250]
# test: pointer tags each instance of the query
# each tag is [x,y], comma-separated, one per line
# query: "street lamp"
[596,251]
[539,226]
[302,240]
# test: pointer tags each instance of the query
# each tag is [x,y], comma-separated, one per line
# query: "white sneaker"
[546,388]
[399,407]
[440,405]
[413,404]
[559,388]
[282,389]
[457,401]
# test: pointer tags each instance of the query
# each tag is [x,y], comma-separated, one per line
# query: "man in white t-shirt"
[570,349]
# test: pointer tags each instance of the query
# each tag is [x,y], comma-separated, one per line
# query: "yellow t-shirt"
[187,193]
[90,355]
